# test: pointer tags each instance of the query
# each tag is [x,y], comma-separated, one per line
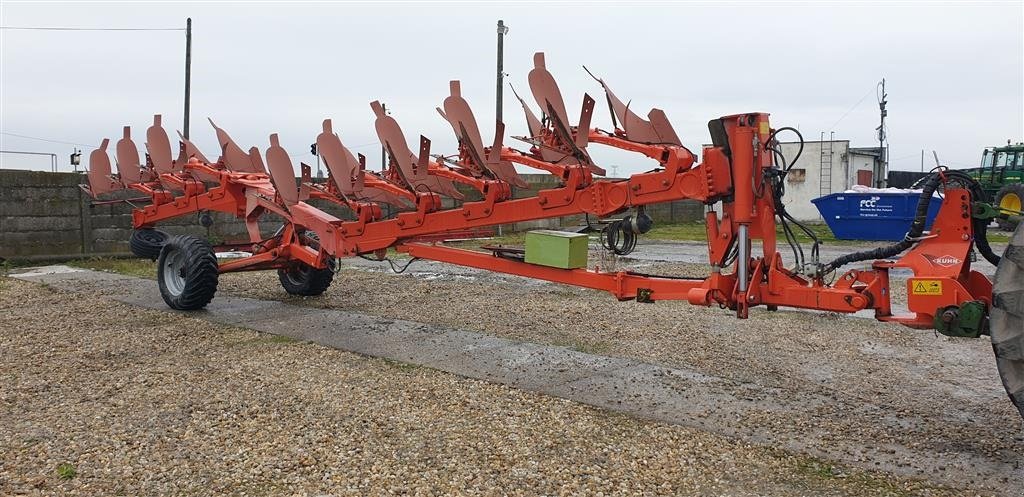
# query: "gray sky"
[954,71]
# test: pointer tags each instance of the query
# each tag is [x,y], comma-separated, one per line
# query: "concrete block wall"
[45,214]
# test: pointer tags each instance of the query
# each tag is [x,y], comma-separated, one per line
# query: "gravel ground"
[137,402]
[876,375]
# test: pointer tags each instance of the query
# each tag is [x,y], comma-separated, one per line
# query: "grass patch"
[585,346]
[280,339]
[698,232]
[509,239]
[141,268]
[259,338]
[66,471]
[867,482]
[405,367]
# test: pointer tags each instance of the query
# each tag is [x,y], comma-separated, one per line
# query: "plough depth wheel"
[1007,319]
[147,242]
[187,273]
[305,280]
[302,279]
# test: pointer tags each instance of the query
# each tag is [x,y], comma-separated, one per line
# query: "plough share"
[742,173]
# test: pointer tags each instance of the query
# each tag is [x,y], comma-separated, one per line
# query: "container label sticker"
[926,287]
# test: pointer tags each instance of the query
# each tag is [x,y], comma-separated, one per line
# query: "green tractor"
[1001,174]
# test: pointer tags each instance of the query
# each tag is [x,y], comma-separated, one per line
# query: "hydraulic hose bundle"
[620,236]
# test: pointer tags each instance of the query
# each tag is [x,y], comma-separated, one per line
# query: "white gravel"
[155,403]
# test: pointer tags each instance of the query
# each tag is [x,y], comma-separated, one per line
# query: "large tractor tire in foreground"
[1006,320]
[187,273]
[147,242]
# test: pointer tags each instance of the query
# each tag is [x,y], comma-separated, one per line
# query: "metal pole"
[383,153]
[502,30]
[188,72]
[922,160]
[879,175]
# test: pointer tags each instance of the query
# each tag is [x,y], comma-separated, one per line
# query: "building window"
[797,175]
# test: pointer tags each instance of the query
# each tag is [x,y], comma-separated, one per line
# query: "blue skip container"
[872,216]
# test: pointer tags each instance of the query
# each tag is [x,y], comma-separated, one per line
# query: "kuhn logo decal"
[944,260]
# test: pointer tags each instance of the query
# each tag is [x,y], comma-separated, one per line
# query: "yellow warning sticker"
[926,287]
[764,127]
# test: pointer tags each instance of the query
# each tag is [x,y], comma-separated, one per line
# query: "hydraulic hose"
[928,188]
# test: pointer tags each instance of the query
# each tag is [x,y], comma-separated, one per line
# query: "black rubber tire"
[1006,319]
[304,280]
[1016,189]
[147,242]
[187,273]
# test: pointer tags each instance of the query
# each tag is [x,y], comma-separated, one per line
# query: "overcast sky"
[954,71]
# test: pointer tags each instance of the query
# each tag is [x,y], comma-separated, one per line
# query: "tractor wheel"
[187,273]
[147,242]
[1006,320]
[1010,197]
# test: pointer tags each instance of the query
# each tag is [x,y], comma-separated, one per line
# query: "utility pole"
[922,160]
[188,72]
[880,173]
[502,31]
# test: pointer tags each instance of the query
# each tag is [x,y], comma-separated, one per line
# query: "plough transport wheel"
[187,273]
[1007,319]
[305,280]
[147,242]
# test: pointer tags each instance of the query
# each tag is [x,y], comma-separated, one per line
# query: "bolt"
[949,315]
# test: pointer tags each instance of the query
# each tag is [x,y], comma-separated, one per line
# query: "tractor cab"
[1001,174]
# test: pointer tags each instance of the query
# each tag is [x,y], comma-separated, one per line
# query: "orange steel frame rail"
[732,172]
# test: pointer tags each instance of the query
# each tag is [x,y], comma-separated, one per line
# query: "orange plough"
[741,174]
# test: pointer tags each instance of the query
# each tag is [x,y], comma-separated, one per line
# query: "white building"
[824,167]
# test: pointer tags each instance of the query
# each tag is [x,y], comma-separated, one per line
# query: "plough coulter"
[740,178]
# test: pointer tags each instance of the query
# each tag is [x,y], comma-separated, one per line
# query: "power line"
[45,139]
[873,90]
[72,28]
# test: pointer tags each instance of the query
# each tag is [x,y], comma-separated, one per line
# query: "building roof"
[869,151]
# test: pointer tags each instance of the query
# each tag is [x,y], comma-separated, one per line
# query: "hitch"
[967,320]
